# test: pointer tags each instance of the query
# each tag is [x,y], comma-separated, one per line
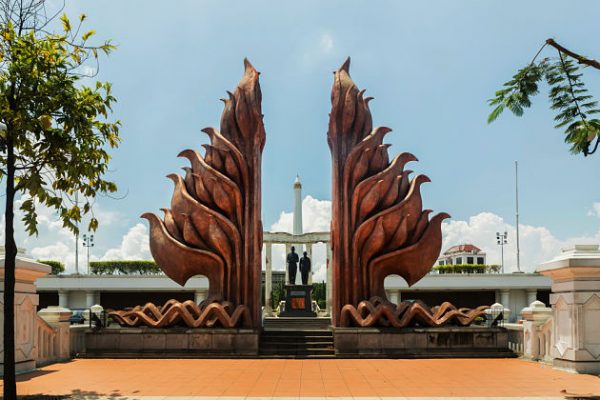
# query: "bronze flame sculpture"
[213,227]
[378,226]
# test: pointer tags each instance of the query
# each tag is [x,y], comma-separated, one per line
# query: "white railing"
[515,337]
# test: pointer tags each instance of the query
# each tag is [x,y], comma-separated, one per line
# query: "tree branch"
[581,59]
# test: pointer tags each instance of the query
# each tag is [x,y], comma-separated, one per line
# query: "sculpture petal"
[180,262]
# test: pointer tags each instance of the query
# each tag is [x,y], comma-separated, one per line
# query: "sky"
[431,66]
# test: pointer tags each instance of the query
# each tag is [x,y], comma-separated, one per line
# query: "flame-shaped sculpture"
[378,226]
[213,227]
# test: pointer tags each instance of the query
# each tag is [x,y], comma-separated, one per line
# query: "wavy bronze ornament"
[206,315]
[380,312]
[213,227]
[378,225]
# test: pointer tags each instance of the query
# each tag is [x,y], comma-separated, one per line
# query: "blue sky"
[431,66]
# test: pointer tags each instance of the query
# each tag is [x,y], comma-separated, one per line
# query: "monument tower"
[297,229]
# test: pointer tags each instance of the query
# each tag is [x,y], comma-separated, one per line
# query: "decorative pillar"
[329,277]
[63,298]
[288,249]
[200,295]
[575,301]
[531,295]
[90,299]
[309,253]
[27,271]
[505,297]
[393,295]
[268,279]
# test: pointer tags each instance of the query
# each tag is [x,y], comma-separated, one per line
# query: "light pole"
[517,213]
[88,241]
[501,239]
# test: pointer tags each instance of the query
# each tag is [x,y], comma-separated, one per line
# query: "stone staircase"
[296,338]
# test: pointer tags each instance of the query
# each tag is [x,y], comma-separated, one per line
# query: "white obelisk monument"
[297,230]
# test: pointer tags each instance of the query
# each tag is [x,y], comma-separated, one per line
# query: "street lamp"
[88,241]
[501,239]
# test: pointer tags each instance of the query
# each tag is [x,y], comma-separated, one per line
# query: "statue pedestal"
[298,301]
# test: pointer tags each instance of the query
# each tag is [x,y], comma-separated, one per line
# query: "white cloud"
[87,70]
[326,42]
[318,49]
[134,246]
[54,242]
[316,217]
[595,211]
[537,243]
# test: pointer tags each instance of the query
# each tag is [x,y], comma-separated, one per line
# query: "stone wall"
[191,342]
[422,342]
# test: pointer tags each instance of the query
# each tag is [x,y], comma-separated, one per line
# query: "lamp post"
[88,241]
[501,239]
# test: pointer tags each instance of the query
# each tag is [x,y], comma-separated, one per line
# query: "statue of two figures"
[292,266]
[298,298]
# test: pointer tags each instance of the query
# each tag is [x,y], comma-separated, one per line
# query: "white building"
[462,254]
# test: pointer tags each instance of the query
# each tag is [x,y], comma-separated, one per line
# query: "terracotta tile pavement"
[306,378]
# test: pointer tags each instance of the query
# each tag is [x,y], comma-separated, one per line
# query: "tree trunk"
[10,255]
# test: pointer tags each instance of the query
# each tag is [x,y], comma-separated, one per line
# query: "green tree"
[55,131]
[57,266]
[574,106]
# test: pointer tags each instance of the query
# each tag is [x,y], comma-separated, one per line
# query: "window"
[441,263]
[480,261]
[470,260]
[458,260]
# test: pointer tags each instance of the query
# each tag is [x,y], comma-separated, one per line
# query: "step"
[301,344]
[297,333]
[305,323]
[293,352]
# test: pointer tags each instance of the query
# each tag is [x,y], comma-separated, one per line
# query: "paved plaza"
[338,378]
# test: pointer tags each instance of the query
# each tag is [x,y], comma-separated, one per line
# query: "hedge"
[465,268]
[57,266]
[122,267]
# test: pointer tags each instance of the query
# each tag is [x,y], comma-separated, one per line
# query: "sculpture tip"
[248,67]
[147,215]
[346,66]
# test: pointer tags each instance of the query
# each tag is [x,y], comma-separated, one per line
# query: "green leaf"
[496,113]
[66,24]
[46,122]
[88,34]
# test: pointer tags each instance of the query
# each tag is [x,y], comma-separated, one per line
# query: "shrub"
[461,269]
[124,267]
[57,266]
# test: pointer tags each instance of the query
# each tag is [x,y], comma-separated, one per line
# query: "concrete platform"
[444,342]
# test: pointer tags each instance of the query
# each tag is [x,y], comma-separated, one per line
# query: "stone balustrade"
[515,337]
[537,331]
[53,335]
[575,299]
